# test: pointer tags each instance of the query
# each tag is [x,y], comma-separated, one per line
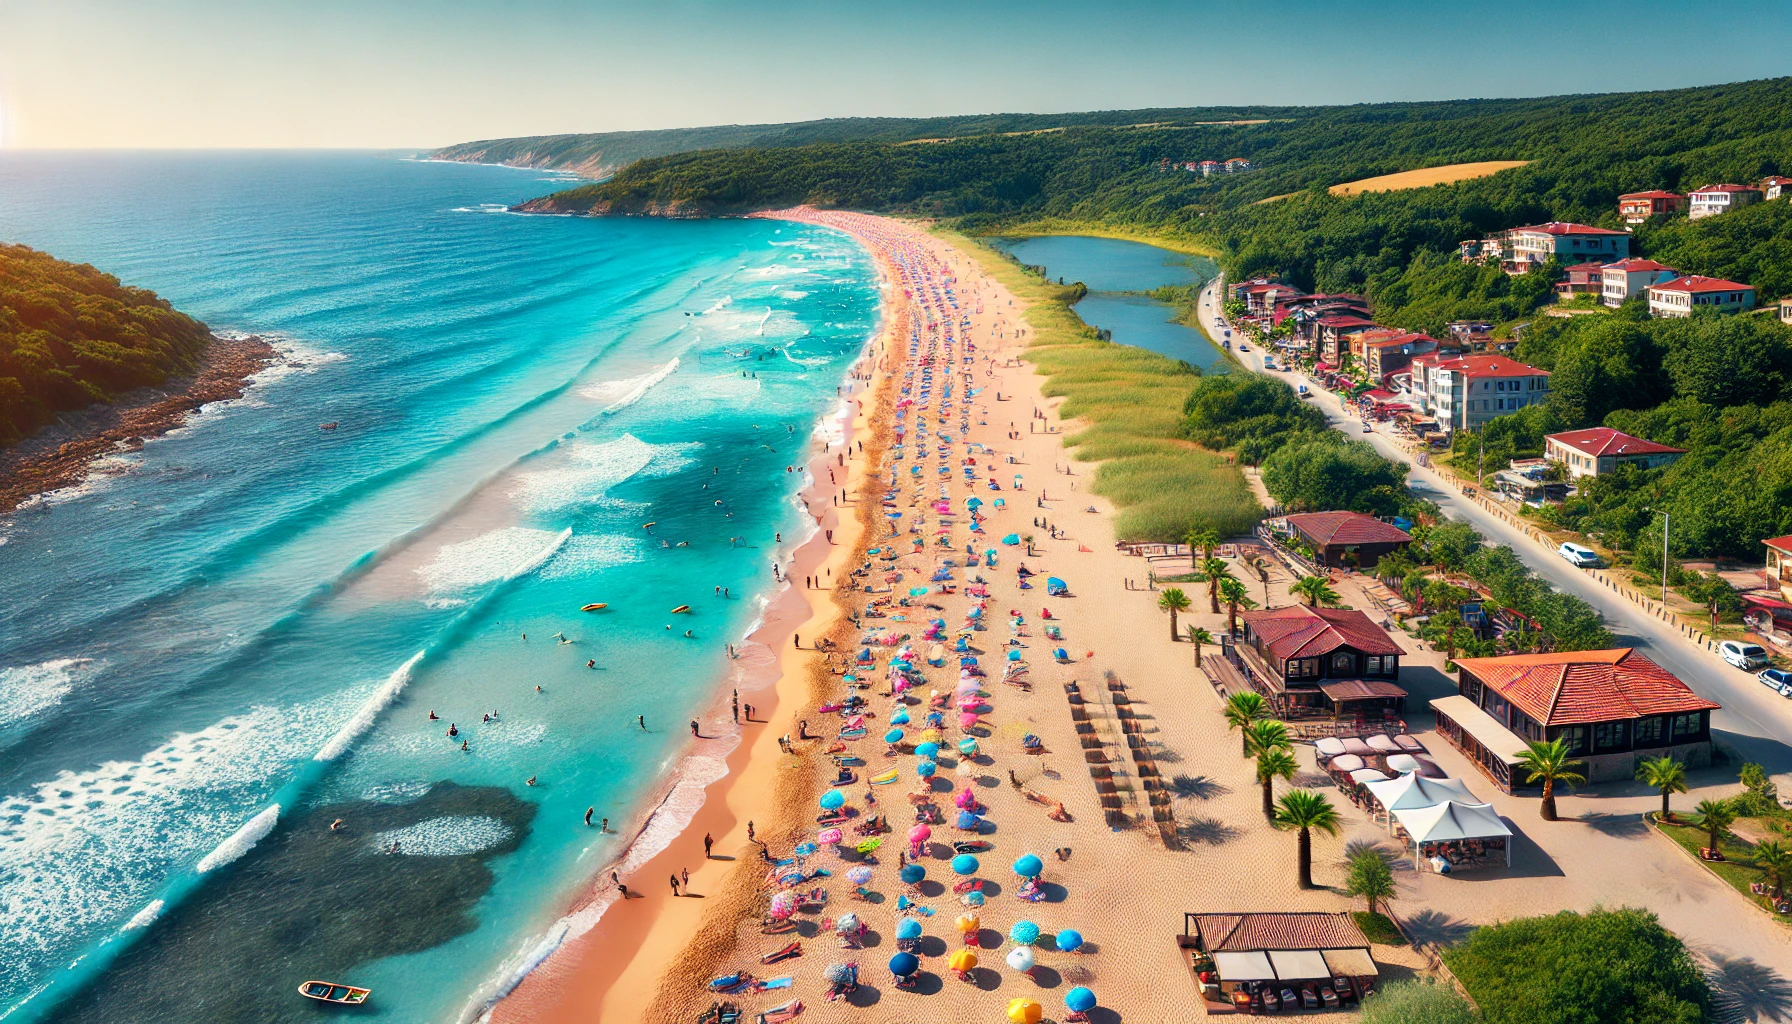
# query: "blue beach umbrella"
[893,736]
[908,928]
[904,964]
[926,769]
[1079,1000]
[967,820]
[1069,940]
[968,746]
[1028,866]
[1024,932]
[833,800]
[900,717]
[912,873]
[965,864]
[928,750]
[806,849]
[1013,538]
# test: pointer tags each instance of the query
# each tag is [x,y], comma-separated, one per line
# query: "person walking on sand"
[750,836]
[675,885]
[684,875]
[709,842]
[694,731]
[734,701]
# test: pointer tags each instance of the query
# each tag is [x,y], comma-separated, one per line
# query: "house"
[1317,660]
[1600,450]
[1610,708]
[1786,310]
[1565,243]
[1334,333]
[1347,538]
[1464,392]
[1209,168]
[1627,279]
[1715,199]
[1779,564]
[1237,164]
[1774,186]
[1261,294]
[1582,279]
[1682,295]
[1236,958]
[1637,207]
[1384,352]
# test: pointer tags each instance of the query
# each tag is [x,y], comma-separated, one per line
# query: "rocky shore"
[62,454]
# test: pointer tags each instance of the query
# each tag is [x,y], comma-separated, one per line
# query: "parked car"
[1301,390]
[1578,554]
[1742,655]
[1368,428]
[1777,679]
[1242,347]
[1270,364]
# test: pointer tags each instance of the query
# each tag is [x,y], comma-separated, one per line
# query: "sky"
[405,74]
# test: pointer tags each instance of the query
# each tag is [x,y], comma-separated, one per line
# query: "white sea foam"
[589,553]
[444,837]
[147,916]
[29,689]
[487,558]
[620,394]
[369,711]
[487,207]
[589,470]
[241,841]
[396,792]
[792,295]
[726,300]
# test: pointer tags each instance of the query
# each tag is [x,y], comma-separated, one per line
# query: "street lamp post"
[1664,558]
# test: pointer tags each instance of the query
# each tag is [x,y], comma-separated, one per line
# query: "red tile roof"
[1635,266]
[1601,441]
[1701,285]
[1489,366]
[1780,543]
[1346,528]
[1652,194]
[1346,320]
[1244,933]
[1710,189]
[1580,687]
[1302,632]
[1556,227]
[1360,689]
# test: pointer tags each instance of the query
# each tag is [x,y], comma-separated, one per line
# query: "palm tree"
[1215,569]
[1198,636]
[1241,710]
[1370,877]
[1272,764]
[1235,594]
[1774,858]
[1266,734]
[1306,810]
[1666,774]
[1202,540]
[1548,760]
[1316,589]
[1173,600]
[1716,816]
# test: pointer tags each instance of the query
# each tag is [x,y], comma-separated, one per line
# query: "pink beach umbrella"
[965,799]
[920,834]
[966,720]
[830,837]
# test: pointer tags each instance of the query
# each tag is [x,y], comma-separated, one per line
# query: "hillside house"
[1465,392]
[1581,279]
[1715,199]
[1779,565]
[1209,168]
[1565,243]
[1682,295]
[1600,450]
[1627,279]
[1786,310]
[1238,164]
[1638,207]
[1334,333]
[1386,350]
[1775,186]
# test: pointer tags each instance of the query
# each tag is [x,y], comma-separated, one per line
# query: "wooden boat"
[329,992]
[681,609]
[597,607]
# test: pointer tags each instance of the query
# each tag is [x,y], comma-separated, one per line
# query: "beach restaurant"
[1273,962]
[1320,661]
[1611,709]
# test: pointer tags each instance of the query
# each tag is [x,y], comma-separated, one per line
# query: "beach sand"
[1125,888]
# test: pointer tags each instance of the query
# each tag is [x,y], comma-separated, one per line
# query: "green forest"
[71,336]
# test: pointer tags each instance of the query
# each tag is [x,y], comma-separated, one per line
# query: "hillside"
[71,336]
[602,154]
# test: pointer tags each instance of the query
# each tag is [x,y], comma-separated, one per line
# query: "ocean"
[256,627]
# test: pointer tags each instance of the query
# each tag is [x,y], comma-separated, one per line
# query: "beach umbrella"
[833,800]
[1028,866]
[837,974]
[1079,1000]
[968,746]
[967,820]
[965,799]
[926,769]
[969,924]
[900,717]
[869,845]
[784,902]
[847,924]
[1021,959]
[830,836]
[966,720]
[932,736]
[1013,538]
[1024,933]
[1025,1011]
[805,849]
[904,964]
[1069,940]
[912,873]
[893,736]
[965,864]
[962,960]
[920,833]
[908,928]
[859,875]
[927,751]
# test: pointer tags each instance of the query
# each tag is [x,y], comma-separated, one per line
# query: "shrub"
[1417,1002]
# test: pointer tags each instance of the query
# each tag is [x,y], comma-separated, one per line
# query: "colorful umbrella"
[893,736]
[1069,940]
[962,960]
[904,964]
[1079,1000]
[830,836]
[838,974]
[966,820]
[1021,959]
[965,799]
[912,873]
[859,875]
[926,769]
[968,746]
[908,928]
[900,717]
[1028,866]
[833,800]
[927,751]
[847,924]
[920,833]
[969,924]
[1024,1011]
[965,864]
[869,845]
[966,720]
[1024,933]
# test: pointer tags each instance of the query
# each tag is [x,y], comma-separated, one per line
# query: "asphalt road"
[1755,722]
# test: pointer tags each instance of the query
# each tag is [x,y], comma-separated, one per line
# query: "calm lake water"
[1111,268]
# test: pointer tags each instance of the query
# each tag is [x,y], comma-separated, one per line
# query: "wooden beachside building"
[1319,661]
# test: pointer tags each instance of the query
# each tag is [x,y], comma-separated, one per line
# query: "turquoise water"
[255,612]
[1109,266]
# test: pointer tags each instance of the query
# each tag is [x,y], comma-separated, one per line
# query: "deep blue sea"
[238,637]
[1113,267]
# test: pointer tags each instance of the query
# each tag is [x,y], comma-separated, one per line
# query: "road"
[1755,722]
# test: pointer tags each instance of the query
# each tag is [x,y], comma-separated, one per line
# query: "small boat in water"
[327,426]
[681,609]
[328,992]
[597,607]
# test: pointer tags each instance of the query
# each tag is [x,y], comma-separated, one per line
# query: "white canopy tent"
[1413,791]
[1454,821]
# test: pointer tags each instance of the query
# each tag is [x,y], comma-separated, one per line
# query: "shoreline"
[637,939]
[65,453]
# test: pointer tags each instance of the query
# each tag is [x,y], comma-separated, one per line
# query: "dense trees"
[71,336]
[1324,474]
[1250,413]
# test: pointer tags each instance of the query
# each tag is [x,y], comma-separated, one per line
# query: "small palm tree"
[1266,734]
[1241,710]
[1198,636]
[1236,595]
[1173,600]
[1774,858]
[1666,774]
[1306,811]
[1202,540]
[1370,877]
[1272,764]
[1716,816]
[1548,760]
[1215,569]
[1316,589]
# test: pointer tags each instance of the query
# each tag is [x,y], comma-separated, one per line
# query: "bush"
[1250,412]
[1319,476]
[1618,966]
[1417,1002]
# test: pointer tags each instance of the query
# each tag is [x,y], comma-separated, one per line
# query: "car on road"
[1269,364]
[1368,428]
[1777,679]
[1578,555]
[1242,347]
[1742,655]
[1301,390]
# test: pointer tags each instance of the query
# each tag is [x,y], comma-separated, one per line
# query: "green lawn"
[1378,928]
[1738,867]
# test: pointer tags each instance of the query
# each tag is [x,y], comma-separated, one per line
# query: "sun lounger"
[1410,744]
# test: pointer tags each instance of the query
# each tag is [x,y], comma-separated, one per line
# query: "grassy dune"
[1131,402]
[1425,177]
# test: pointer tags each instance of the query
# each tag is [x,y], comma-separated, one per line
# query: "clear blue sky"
[384,73]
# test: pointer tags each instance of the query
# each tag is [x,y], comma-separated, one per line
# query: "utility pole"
[1664,559]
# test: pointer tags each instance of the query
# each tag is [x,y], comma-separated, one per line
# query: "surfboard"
[883,778]
[598,607]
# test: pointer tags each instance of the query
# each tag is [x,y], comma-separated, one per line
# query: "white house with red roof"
[1715,199]
[1775,186]
[1681,296]
[1627,279]
[1465,392]
[1779,564]
[1563,242]
[1599,450]
[1638,207]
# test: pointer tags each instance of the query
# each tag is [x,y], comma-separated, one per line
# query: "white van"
[1578,555]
